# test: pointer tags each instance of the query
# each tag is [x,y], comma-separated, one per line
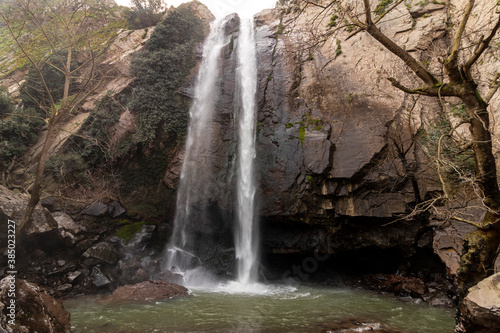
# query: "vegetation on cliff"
[163,67]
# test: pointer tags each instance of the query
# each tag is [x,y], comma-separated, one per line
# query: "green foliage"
[459,111]
[141,18]
[349,27]
[456,156]
[69,167]
[382,6]
[128,232]
[6,105]
[348,97]
[333,21]
[309,123]
[46,26]
[155,6]
[281,28]
[160,70]
[17,133]
[33,93]
[93,141]
[302,134]
[338,51]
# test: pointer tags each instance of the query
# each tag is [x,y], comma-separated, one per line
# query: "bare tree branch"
[495,84]
[480,48]
[451,62]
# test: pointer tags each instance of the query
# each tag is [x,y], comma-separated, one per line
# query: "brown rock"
[36,311]
[173,173]
[448,240]
[480,310]
[147,291]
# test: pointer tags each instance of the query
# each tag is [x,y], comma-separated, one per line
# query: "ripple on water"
[230,307]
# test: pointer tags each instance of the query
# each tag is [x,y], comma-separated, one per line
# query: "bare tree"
[56,33]
[458,80]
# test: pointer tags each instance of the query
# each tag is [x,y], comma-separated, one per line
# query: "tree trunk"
[480,246]
[25,222]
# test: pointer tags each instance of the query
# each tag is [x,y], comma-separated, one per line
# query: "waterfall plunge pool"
[278,309]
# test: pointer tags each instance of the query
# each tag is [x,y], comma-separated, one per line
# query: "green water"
[279,309]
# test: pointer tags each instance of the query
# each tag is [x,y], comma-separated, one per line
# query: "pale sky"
[220,8]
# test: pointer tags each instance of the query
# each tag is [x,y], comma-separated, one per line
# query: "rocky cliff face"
[335,140]
[338,150]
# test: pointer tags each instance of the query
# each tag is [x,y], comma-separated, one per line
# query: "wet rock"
[140,240]
[232,25]
[395,284]
[98,278]
[103,251]
[169,276]
[36,311]
[480,310]
[439,299]
[147,291]
[116,209]
[140,276]
[97,209]
[173,173]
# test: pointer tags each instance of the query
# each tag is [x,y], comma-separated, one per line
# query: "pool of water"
[275,308]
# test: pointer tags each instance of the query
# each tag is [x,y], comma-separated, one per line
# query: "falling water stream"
[246,241]
[192,185]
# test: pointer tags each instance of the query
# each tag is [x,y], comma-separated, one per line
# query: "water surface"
[277,310]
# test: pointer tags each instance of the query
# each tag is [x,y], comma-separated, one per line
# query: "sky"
[220,8]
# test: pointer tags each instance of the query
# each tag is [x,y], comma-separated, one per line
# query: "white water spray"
[246,236]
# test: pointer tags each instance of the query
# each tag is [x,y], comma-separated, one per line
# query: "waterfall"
[196,176]
[246,234]
[194,167]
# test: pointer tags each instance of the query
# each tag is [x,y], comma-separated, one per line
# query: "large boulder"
[103,251]
[35,310]
[13,205]
[147,291]
[480,310]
